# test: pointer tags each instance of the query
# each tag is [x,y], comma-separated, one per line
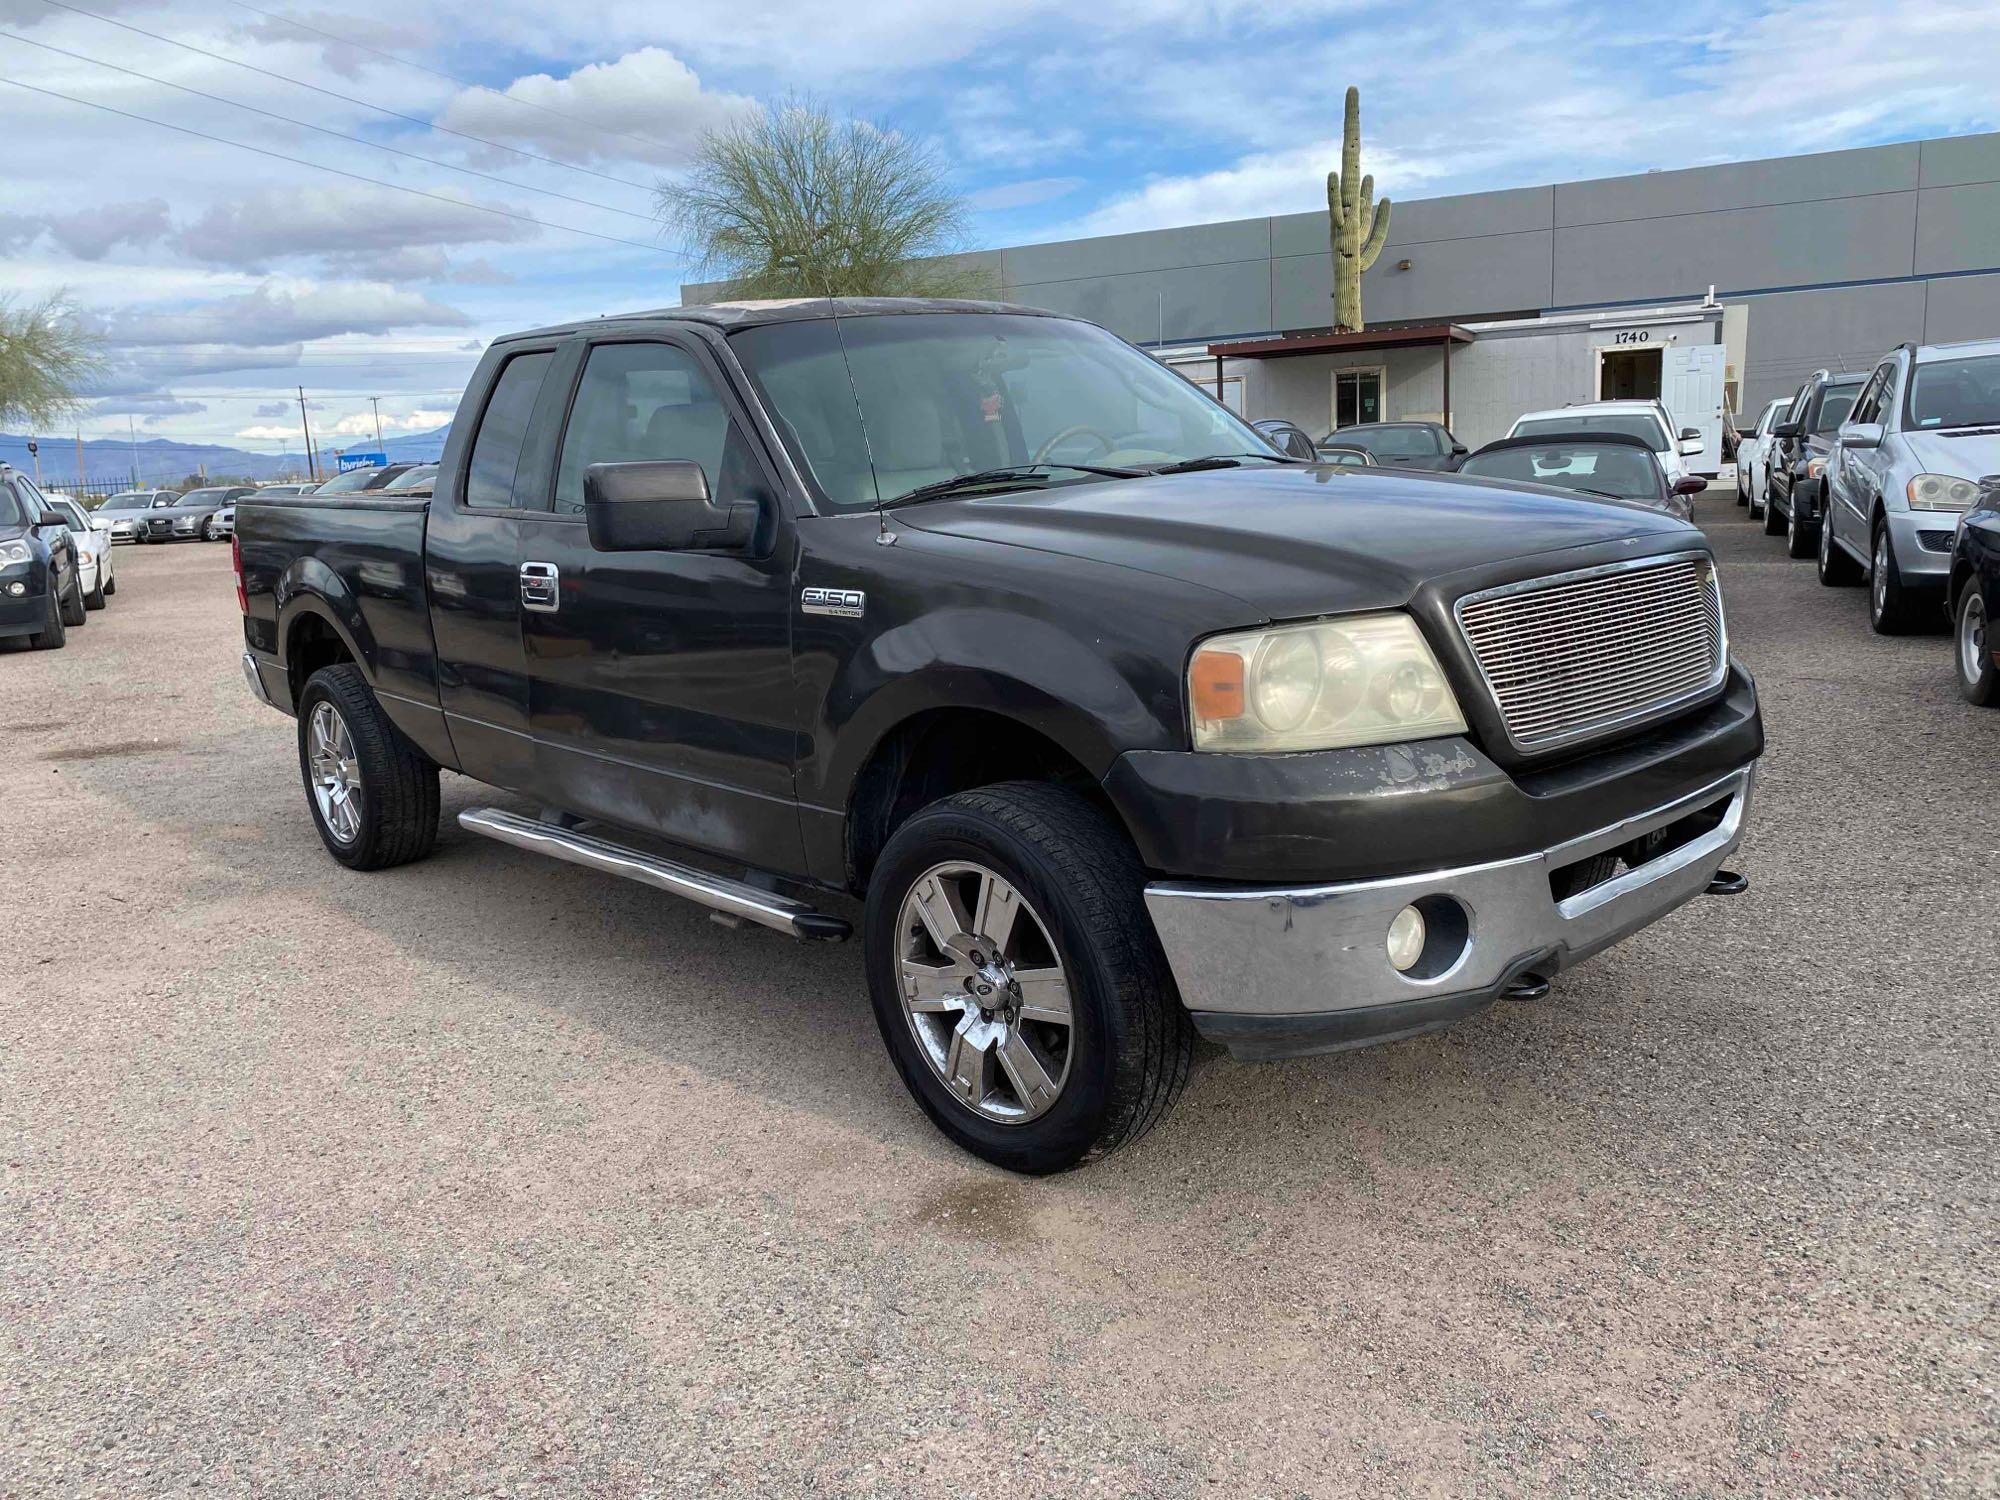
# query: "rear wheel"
[1016,979]
[373,795]
[1978,678]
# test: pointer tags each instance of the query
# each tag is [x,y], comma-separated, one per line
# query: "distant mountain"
[164,461]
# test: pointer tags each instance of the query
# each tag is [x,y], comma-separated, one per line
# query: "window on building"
[1357,397]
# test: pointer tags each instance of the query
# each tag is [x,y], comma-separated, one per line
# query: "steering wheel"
[1105,445]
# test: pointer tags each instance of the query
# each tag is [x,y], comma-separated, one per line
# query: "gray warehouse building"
[1711,287]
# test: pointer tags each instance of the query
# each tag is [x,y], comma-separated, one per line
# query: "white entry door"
[1691,385]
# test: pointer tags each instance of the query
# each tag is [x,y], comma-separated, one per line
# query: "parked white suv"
[1646,420]
[1753,457]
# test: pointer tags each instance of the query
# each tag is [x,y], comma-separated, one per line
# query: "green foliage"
[45,356]
[792,203]
[1360,224]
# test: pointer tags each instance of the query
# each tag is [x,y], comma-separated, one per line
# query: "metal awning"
[1335,343]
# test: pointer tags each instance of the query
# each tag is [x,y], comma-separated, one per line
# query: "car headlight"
[1942,492]
[1361,680]
[13,554]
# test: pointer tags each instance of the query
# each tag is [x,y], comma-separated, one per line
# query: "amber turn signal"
[1215,681]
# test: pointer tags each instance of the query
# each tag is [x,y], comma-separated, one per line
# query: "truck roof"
[735,315]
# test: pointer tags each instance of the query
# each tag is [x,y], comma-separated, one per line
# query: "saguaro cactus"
[1360,224]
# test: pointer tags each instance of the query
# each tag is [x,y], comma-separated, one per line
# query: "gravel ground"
[493,1176]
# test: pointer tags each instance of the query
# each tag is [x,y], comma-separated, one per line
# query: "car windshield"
[128,500]
[1956,392]
[1343,456]
[421,477]
[1389,442]
[1834,405]
[1599,468]
[1773,415]
[879,405]
[357,479]
[1638,424]
[204,497]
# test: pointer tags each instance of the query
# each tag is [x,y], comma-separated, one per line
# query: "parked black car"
[1609,465]
[1401,445]
[41,589]
[1795,485]
[1124,726]
[1973,597]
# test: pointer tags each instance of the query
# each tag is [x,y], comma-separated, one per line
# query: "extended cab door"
[660,683]
[472,558]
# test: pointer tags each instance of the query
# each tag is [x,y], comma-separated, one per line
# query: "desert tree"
[790,202]
[46,357]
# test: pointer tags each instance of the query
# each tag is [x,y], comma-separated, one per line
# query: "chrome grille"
[1575,656]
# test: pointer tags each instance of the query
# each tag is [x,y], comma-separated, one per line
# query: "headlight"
[13,554]
[1942,492]
[1362,680]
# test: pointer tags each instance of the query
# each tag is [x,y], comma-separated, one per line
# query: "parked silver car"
[1905,466]
[1753,453]
[127,510]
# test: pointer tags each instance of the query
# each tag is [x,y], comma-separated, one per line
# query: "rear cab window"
[494,472]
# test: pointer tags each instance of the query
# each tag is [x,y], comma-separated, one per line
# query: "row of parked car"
[56,567]
[1620,450]
[1892,476]
[209,514]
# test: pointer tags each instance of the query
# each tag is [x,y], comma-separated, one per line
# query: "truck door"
[660,683]
[472,560]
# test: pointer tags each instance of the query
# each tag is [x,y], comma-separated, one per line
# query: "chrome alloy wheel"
[336,776]
[984,992]
[1972,636]
[1878,575]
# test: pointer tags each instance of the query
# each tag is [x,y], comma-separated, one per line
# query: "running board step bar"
[732,900]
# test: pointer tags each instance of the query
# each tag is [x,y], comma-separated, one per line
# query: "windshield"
[1646,429]
[423,474]
[1389,442]
[1600,468]
[923,397]
[128,500]
[358,479]
[1773,415]
[1956,393]
[1834,405]
[204,497]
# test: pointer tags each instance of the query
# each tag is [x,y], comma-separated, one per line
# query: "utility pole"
[79,464]
[376,402]
[312,468]
[132,437]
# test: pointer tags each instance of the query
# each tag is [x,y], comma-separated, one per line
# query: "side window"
[1870,398]
[641,403]
[1885,398]
[31,498]
[503,431]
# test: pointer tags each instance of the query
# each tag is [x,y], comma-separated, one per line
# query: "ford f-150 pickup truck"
[1124,726]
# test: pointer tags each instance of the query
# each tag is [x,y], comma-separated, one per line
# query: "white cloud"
[258,228]
[1022,194]
[646,106]
[280,312]
[152,406]
[88,233]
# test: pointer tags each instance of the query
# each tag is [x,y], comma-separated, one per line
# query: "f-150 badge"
[849,604]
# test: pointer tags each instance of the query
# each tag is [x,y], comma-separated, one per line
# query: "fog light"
[1406,938]
[17,588]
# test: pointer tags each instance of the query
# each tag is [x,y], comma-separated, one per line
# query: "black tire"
[111,587]
[1774,523]
[53,633]
[1837,570]
[1978,680]
[1893,608]
[1130,1043]
[1742,490]
[95,598]
[1800,536]
[398,816]
[74,611]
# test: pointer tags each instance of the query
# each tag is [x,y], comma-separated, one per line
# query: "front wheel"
[1774,524]
[1761,502]
[373,795]
[53,633]
[1017,981]
[1978,677]
[1891,609]
[95,598]
[1836,568]
[73,607]
[1799,535]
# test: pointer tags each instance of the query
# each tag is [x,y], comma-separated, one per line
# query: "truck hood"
[1296,542]
[1968,453]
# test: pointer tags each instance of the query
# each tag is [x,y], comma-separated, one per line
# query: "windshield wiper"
[981,478]
[1221,461]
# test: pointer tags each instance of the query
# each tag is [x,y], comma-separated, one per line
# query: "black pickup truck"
[1124,725]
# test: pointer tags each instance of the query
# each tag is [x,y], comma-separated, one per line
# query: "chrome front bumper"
[1283,972]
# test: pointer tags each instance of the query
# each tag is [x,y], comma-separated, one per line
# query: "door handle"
[541,587]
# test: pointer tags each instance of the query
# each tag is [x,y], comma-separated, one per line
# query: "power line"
[469,83]
[339,135]
[345,98]
[299,161]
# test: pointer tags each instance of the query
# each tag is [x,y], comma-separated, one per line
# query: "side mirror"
[1690,484]
[1861,435]
[661,507]
[52,518]
[1459,450]
[1785,430]
[1691,432]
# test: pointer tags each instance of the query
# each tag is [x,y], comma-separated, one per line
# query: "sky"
[420,185]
